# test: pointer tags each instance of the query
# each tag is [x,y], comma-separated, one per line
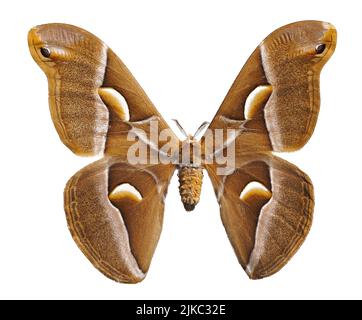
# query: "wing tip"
[123,278]
[256,275]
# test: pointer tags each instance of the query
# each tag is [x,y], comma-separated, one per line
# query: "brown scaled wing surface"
[266,227]
[117,233]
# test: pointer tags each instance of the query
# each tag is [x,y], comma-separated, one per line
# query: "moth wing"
[117,229]
[94,99]
[267,223]
[274,102]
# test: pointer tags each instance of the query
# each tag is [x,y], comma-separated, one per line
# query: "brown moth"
[95,103]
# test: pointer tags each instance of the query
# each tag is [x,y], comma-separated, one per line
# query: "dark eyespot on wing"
[320,48]
[45,52]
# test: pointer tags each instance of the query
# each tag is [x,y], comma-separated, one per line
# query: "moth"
[114,207]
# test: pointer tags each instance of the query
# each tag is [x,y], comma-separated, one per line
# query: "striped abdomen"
[190,180]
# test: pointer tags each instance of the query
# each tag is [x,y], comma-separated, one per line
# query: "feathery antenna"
[201,128]
[181,128]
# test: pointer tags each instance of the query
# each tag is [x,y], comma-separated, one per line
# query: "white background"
[185,54]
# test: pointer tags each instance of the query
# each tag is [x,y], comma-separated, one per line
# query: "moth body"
[190,179]
[190,172]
